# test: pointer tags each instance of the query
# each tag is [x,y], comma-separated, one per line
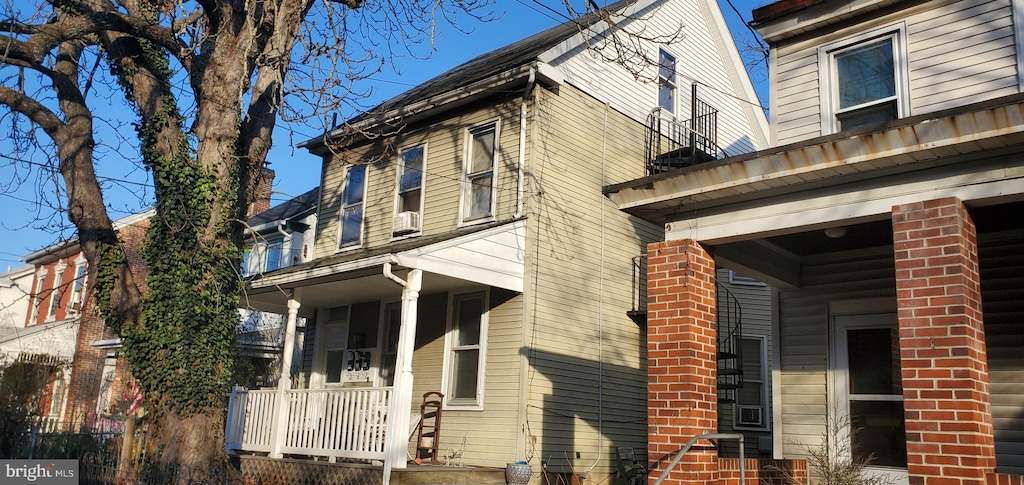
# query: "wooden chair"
[631,470]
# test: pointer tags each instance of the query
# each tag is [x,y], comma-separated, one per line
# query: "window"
[478,192]
[58,290]
[351,230]
[464,365]
[77,289]
[409,200]
[752,399]
[744,280]
[273,255]
[37,301]
[666,81]
[865,80]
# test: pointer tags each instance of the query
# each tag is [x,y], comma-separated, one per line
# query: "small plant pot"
[518,473]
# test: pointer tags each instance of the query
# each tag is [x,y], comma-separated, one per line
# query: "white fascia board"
[317,272]
[839,204]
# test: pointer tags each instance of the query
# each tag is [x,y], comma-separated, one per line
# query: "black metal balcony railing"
[672,143]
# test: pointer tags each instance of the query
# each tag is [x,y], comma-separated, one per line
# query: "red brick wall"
[942,342]
[87,372]
[1005,479]
[261,193]
[762,472]
[39,305]
[682,391]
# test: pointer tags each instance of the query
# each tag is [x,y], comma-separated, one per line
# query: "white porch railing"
[336,423]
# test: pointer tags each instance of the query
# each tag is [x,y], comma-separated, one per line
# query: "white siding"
[804,323]
[958,52]
[700,57]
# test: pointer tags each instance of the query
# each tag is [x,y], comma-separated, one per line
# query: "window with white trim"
[466,350]
[273,254]
[76,301]
[751,409]
[37,301]
[478,181]
[666,81]
[350,230]
[409,193]
[58,291]
[864,80]
[389,342]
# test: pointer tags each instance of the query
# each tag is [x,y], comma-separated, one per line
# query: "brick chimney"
[261,194]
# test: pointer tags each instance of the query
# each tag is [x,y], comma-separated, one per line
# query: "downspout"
[287,239]
[531,82]
[396,442]
[600,300]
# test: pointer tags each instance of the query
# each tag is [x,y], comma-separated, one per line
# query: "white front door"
[869,393]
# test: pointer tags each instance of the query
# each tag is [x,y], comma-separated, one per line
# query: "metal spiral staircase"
[729,316]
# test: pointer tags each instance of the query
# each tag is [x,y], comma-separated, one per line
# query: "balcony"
[672,143]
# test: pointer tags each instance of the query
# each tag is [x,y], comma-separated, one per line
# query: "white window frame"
[843,318]
[447,377]
[763,380]
[37,300]
[829,84]
[399,172]
[343,205]
[736,279]
[78,286]
[56,293]
[268,245]
[671,81]
[467,178]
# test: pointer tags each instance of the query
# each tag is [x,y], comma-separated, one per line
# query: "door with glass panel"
[869,392]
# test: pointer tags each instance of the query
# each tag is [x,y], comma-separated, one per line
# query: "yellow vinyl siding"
[586,383]
[442,183]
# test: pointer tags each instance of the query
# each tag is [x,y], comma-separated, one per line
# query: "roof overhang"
[539,72]
[971,132]
[789,18]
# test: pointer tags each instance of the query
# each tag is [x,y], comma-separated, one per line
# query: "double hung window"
[77,288]
[479,183]
[666,81]
[464,364]
[351,230]
[409,200]
[866,81]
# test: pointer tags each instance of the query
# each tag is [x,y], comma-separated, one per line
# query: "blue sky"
[26,227]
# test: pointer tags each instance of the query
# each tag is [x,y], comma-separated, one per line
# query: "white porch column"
[401,397]
[284,382]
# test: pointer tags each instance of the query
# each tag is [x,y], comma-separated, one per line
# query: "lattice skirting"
[258,470]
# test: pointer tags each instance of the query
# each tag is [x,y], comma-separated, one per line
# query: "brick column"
[942,344]
[682,395]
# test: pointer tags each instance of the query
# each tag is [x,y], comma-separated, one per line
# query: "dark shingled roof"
[287,209]
[485,65]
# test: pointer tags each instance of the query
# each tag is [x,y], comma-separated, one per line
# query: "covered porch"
[897,254]
[350,396]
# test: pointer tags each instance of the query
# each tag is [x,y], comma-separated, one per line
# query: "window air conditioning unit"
[75,306]
[751,416]
[406,222]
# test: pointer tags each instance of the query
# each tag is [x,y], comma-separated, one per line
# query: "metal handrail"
[707,436]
